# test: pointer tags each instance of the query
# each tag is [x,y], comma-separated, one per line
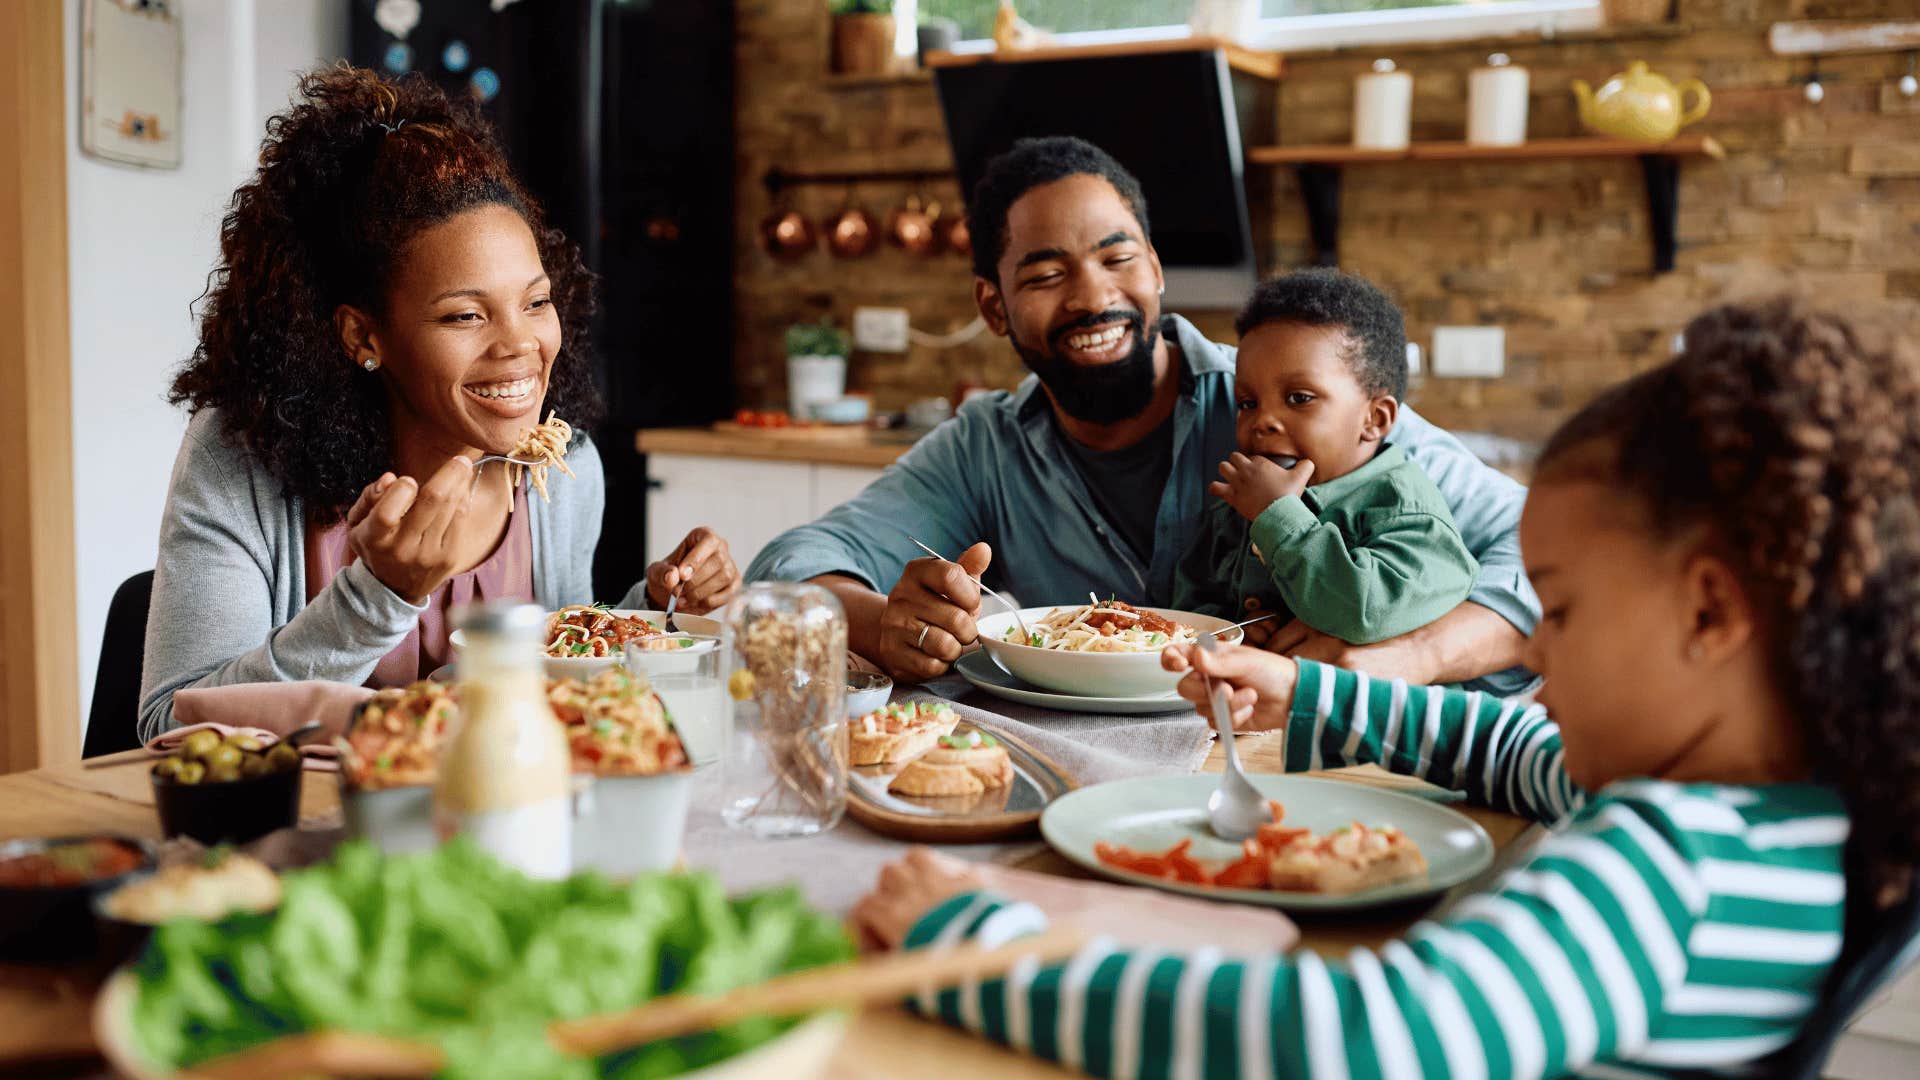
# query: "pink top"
[505,574]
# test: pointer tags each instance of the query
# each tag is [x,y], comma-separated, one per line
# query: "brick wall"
[1825,199]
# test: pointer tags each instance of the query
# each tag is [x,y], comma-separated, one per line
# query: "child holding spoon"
[1728,553]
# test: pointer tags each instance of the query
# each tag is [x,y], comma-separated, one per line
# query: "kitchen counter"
[863,447]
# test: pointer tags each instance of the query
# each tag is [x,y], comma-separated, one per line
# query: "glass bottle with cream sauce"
[505,777]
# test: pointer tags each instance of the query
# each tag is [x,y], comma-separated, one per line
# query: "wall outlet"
[1469,352]
[880,329]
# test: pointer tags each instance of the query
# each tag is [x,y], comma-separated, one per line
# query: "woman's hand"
[407,533]
[1260,684]
[701,570]
[909,888]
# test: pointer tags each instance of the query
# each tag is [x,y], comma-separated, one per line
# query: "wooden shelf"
[1318,168]
[1255,62]
[1533,150]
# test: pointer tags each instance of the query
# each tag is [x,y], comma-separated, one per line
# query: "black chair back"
[113,720]
[1889,946]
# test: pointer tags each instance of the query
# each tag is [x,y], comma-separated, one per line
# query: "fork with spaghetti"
[539,448]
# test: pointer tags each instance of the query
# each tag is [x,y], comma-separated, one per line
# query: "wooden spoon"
[883,978]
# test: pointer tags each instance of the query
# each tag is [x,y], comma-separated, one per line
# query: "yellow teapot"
[1638,104]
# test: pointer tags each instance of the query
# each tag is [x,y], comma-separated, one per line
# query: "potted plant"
[816,366]
[862,36]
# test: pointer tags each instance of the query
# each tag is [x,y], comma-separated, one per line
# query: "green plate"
[1152,813]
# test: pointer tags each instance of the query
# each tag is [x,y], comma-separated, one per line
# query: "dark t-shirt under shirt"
[1126,483]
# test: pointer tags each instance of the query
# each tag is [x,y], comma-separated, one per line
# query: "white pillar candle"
[1497,103]
[1382,108]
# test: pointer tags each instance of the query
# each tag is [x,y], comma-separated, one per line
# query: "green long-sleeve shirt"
[1661,929]
[1364,557]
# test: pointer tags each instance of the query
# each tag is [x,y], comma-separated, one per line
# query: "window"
[1286,24]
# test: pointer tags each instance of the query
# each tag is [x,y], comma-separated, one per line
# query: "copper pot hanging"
[786,234]
[851,233]
[911,227]
[959,239]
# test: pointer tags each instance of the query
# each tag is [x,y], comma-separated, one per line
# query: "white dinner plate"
[979,669]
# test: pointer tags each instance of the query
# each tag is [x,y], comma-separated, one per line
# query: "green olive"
[191,772]
[253,765]
[224,756]
[283,757]
[223,774]
[200,744]
[250,743]
[167,768]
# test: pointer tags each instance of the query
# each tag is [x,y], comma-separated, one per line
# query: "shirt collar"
[1321,496]
[1199,354]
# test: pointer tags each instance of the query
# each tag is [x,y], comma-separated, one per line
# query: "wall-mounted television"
[1171,118]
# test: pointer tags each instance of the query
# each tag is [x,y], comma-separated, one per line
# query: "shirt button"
[1253,603]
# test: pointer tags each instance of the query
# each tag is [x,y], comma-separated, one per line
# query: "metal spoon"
[1236,809]
[1018,621]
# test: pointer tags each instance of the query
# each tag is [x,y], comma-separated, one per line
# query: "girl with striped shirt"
[1727,550]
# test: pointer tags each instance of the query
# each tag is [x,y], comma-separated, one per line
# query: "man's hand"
[1251,484]
[1260,685]
[1404,657]
[929,616]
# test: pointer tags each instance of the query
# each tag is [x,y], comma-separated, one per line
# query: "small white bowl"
[1090,674]
[866,691]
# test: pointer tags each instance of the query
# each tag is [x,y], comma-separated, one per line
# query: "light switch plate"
[880,329]
[1469,352]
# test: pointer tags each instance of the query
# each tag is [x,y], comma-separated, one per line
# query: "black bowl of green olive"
[230,789]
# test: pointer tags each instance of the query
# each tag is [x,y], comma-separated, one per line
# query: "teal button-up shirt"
[999,471]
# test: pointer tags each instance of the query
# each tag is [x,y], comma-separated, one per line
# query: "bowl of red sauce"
[47,886]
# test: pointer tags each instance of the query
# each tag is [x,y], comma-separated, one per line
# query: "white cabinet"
[747,501]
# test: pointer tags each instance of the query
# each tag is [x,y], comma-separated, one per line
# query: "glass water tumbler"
[784,771]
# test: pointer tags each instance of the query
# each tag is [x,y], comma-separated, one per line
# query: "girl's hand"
[701,570]
[1251,483]
[909,888]
[407,532]
[1260,684]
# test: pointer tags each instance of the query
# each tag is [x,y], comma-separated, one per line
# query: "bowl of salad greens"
[451,949]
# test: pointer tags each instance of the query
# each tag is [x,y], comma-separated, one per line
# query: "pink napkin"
[265,711]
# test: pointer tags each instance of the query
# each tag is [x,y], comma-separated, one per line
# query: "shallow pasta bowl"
[586,667]
[1090,674]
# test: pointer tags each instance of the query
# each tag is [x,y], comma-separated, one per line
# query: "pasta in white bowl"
[1095,650]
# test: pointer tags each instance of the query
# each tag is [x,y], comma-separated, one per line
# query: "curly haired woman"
[389,307]
[1727,550]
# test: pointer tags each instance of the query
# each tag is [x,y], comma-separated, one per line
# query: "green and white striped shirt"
[1661,928]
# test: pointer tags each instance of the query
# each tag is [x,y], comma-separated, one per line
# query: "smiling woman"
[389,310]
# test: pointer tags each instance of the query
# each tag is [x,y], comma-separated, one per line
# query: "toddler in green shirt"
[1320,517]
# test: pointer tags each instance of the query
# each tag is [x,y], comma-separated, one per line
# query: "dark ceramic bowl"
[55,923]
[232,811]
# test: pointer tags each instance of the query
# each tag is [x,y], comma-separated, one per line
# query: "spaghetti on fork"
[546,444]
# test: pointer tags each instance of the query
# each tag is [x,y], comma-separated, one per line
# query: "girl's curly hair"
[347,178]
[1797,439]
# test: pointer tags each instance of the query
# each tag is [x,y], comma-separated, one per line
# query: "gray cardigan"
[230,591]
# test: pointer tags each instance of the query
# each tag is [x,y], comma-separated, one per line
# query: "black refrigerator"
[619,117]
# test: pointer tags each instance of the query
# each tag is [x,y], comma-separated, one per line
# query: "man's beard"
[1109,393]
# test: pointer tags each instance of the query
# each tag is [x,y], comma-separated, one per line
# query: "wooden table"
[47,1012]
